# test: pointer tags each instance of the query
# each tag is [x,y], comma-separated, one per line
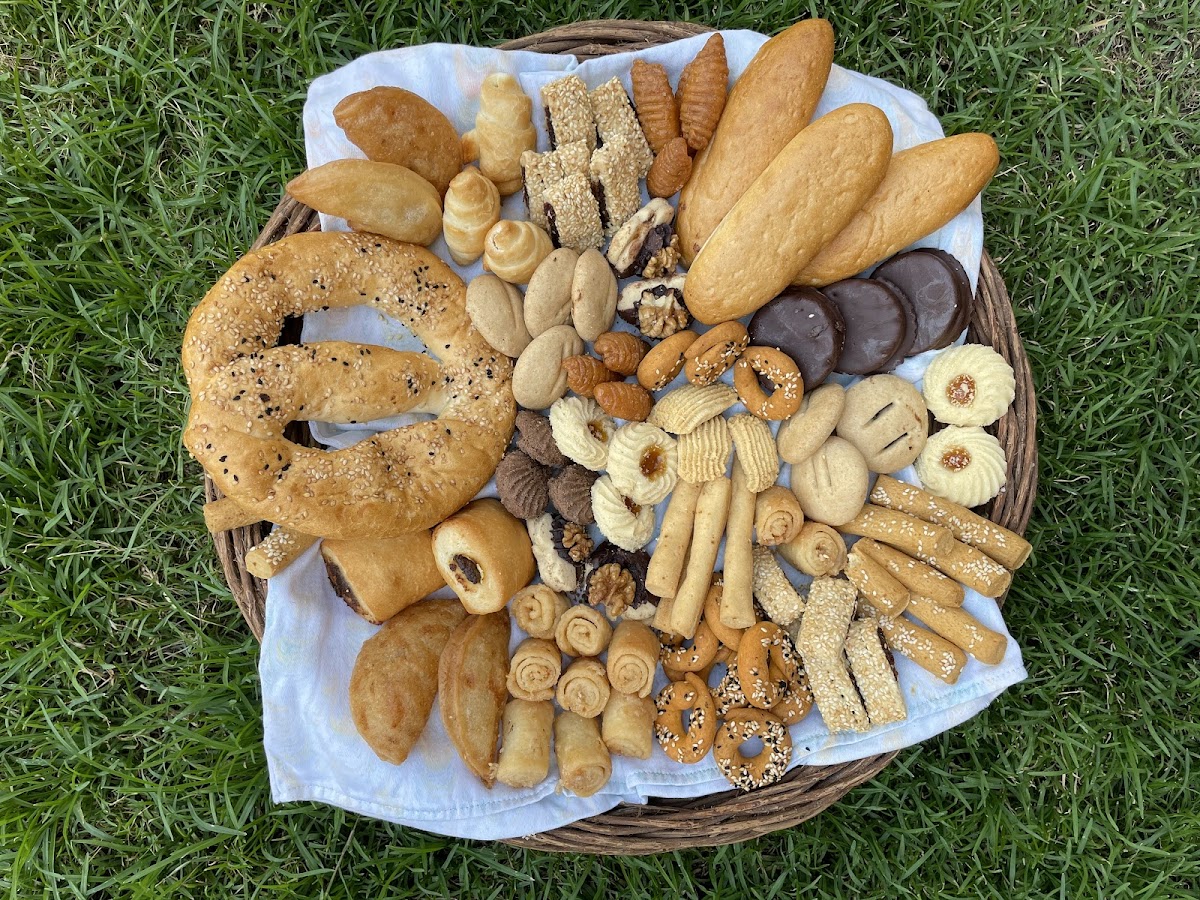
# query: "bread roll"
[484,554]
[378,578]
[472,208]
[925,187]
[800,201]
[503,131]
[382,198]
[770,103]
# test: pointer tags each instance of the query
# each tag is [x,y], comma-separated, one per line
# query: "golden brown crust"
[385,485]
[395,677]
[484,554]
[655,101]
[472,688]
[379,577]
[701,93]
[670,170]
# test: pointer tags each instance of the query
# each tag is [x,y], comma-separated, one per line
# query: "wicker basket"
[730,816]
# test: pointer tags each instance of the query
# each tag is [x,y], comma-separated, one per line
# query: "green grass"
[142,146]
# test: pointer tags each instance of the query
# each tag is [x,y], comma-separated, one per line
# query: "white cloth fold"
[312,638]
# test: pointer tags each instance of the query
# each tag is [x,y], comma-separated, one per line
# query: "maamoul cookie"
[886,419]
[627,524]
[969,385]
[582,431]
[964,464]
[642,462]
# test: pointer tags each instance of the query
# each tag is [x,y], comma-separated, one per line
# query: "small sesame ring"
[771,762]
[778,368]
[692,745]
[713,353]
[766,664]
[696,657]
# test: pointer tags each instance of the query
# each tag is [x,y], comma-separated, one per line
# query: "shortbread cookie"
[969,385]
[569,112]
[616,123]
[690,405]
[832,483]
[966,465]
[886,419]
[642,462]
[582,431]
[544,170]
[804,433]
[625,523]
[704,452]
[573,215]
[755,447]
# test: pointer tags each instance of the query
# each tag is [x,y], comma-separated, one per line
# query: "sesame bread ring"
[690,745]
[245,390]
[778,368]
[696,657]
[768,766]
[713,353]
[766,664]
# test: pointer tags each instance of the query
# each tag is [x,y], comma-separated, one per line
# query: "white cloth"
[312,638]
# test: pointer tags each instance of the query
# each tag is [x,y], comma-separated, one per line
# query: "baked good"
[766,663]
[800,201]
[915,575]
[620,351]
[769,764]
[392,125]
[666,565]
[525,743]
[622,400]
[777,368]
[539,379]
[964,464]
[548,294]
[522,485]
[774,593]
[772,100]
[536,438]
[585,373]
[534,669]
[713,353]
[960,628]
[277,551]
[755,448]
[582,631]
[737,598]
[817,550]
[513,250]
[541,171]
[655,306]
[497,310]
[925,187]
[616,580]
[729,638]
[569,112]
[573,214]
[881,325]
[911,535]
[831,485]
[691,695]
[537,609]
[557,564]
[704,451]
[394,680]
[642,462]
[472,690]
[379,577]
[1004,546]
[484,555]
[969,385]
[655,103]
[873,674]
[584,763]
[356,492]
[381,198]
[677,658]
[778,517]
[472,207]
[937,286]
[671,169]
[933,653]
[875,584]
[584,688]
[571,493]
[593,297]
[701,92]
[646,244]
[886,419]
[664,361]
[627,725]
[632,658]
[805,325]
[614,171]
[712,512]
[225,515]
[582,431]
[503,131]
[689,406]
[821,641]
[627,524]
[811,425]
[617,123]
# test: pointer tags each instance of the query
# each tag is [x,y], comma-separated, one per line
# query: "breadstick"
[913,574]
[662,616]
[873,675]
[712,510]
[931,652]
[972,567]
[277,551]
[666,565]
[1006,547]
[960,628]
[912,535]
[876,584]
[737,599]
[525,746]
[226,514]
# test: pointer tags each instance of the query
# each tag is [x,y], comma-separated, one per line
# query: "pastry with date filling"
[484,554]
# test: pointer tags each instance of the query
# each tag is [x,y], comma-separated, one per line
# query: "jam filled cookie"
[582,431]
[966,465]
[969,385]
[642,462]
[625,523]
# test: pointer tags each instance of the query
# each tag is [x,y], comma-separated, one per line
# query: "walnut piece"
[613,586]
[664,261]
[576,542]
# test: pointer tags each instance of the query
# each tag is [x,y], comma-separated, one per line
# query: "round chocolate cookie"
[880,325]
[806,326]
[938,288]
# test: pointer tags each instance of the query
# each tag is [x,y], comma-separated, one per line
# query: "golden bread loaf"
[379,577]
[794,208]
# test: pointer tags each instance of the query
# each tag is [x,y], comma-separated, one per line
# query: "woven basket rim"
[729,816]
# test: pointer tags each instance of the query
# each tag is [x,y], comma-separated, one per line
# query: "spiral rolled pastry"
[582,631]
[966,465]
[777,516]
[537,609]
[513,250]
[969,385]
[817,550]
[472,207]
[632,658]
[534,670]
[583,688]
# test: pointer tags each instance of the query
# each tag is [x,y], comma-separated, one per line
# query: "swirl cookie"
[642,462]
[969,385]
[582,431]
[625,523]
[966,465]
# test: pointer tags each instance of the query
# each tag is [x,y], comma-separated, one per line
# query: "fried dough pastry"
[393,683]
[472,682]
